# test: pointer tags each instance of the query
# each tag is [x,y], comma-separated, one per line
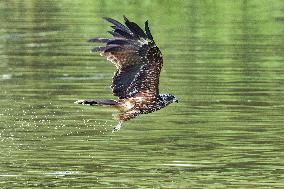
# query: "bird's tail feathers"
[97,102]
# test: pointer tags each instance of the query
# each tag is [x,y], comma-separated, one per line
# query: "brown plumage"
[138,64]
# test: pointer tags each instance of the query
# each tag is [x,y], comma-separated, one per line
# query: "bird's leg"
[118,127]
[124,116]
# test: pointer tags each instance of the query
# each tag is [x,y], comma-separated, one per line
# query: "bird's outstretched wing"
[137,58]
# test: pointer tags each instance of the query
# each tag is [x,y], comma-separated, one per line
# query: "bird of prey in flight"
[138,64]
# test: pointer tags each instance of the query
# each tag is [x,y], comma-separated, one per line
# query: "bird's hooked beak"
[175,100]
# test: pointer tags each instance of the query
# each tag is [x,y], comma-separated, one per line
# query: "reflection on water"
[223,60]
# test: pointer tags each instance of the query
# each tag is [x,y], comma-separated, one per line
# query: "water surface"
[222,59]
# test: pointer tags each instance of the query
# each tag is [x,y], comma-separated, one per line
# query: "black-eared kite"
[138,64]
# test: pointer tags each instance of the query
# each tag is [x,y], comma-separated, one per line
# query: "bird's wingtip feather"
[125,18]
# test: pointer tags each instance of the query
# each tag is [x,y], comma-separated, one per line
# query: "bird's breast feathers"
[139,103]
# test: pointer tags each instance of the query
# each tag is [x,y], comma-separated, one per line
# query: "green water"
[224,60]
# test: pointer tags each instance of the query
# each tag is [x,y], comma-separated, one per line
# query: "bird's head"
[168,98]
